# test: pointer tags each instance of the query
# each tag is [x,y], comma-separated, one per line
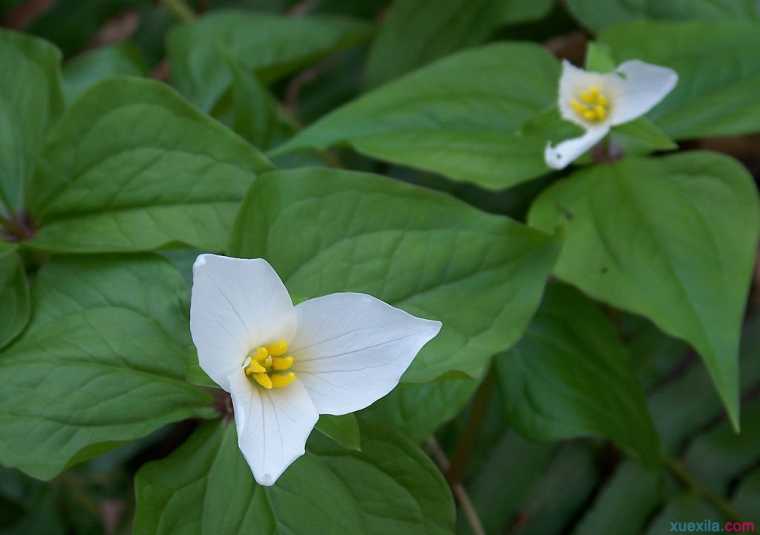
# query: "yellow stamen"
[591,105]
[268,365]
[281,380]
[264,380]
[254,367]
[260,354]
[282,363]
[278,348]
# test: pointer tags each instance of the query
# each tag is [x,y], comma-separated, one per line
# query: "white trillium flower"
[284,365]
[596,102]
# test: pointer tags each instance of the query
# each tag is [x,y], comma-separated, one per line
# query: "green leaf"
[640,137]
[30,101]
[14,295]
[102,362]
[87,69]
[270,46]
[416,32]
[418,409]
[718,73]
[597,15]
[599,57]
[748,496]
[422,251]
[206,488]
[683,510]
[464,117]
[344,430]
[570,376]
[673,239]
[252,111]
[133,167]
[719,456]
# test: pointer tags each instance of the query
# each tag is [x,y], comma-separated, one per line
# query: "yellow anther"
[281,380]
[590,95]
[254,367]
[278,348]
[264,380]
[282,363]
[591,105]
[577,107]
[260,354]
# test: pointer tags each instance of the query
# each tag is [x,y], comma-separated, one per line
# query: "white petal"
[562,154]
[640,88]
[572,83]
[236,305]
[272,425]
[351,349]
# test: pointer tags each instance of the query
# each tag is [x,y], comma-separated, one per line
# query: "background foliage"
[598,368]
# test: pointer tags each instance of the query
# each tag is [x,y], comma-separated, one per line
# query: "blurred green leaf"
[748,496]
[434,256]
[86,70]
[597,15]
[464,116]
[133,167]
[416,32]
[640,137]
[718,73]
[72,24]
[717,457]
[205,487]
[561,493]
[570,376]
[506,479]
[673,239]
[599,57]
[684,509]
[102,362]
[344,430]
[418,409]
[30,101]
[269,46]
[14,295]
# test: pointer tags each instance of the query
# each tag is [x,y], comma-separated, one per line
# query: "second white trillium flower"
[596,102]
[283,365]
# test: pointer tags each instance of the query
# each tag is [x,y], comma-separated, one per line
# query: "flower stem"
[468,509]
[681,473]
[467,438]
[180,9]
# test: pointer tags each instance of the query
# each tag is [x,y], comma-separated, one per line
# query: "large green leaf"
[102,362]
[14,295]
[344,430]
[748,496]
[269,45]
[571,376]
[476,116]
[415,32]
[418,409]
[205,487]
[330,231]
[87,69]
[673,239]
[134,167]
[597,15]
[30,100]
[718,73]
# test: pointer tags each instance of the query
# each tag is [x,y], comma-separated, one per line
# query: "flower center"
[268,365]
[591,105]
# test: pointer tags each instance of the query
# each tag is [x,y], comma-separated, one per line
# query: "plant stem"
[467,438]
[180,9]
[684,476]
[468,509]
